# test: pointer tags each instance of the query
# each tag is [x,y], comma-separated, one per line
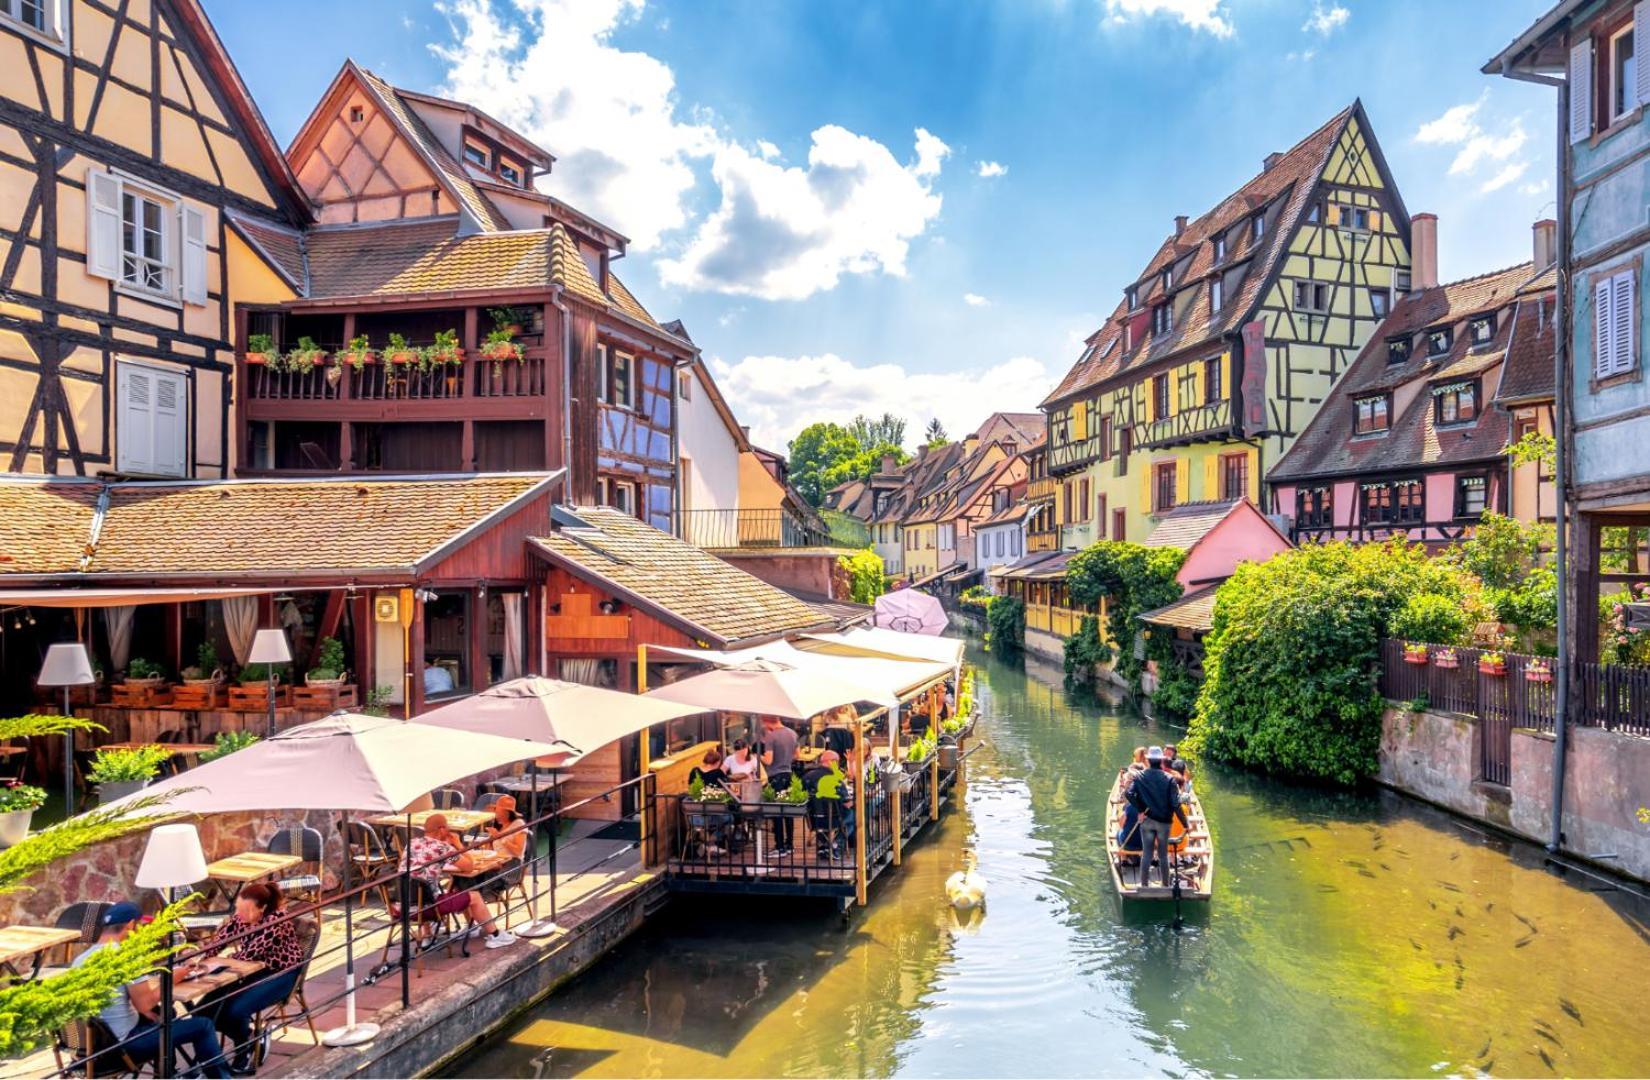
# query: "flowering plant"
[16,796]
[1631,643]
[357,354]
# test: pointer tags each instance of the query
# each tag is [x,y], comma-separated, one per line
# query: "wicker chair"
[278,1015]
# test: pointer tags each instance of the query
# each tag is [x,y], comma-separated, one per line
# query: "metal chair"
[486,801]
[369,856]
[276,1016]
[447,799]
[308,845]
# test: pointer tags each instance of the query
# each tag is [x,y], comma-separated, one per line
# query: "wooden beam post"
[861,880]
[894,796]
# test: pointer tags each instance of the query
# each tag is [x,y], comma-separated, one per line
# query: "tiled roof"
[1194,611]
[281,247]
[1291,177]
[1528,373]
[247,527]
[844,612]
[451,173]
[425,256]
[1185,525]
[1327,447]
[707,597]
[626,302]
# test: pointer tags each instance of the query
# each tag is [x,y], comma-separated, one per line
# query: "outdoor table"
[247,867]
[223,971]
[176,749]
[522,787]
[460,821]
[20,942]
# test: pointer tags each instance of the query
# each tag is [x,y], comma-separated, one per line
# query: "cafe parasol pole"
[538,927]
[352,1033]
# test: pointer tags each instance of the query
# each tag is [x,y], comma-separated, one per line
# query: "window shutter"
[1182,484]
[1581,91]
[1146,471]
[1622,316]
[1602,325]
[1211,478]
[1332,215]
[1641,17]
[136,431]
[169,414]
[1374,221]
[102,225]
[192,268]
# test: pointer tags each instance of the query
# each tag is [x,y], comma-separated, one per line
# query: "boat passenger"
[1128,831]
[1139,757]
[1157,798]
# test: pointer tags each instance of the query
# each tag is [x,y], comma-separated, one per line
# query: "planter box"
[200,695]
[145,695]
[1448,663]
[255,698]
[1415,658]
[1487,668]
[326,696]
[912,768]
[1538,675]
[784,809]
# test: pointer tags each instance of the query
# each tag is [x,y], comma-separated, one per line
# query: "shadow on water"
[1351,934]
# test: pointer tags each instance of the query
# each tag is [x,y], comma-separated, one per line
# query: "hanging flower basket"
[398,352]
[446,352]
[1415,654]
[500,348]
[1492,663]
[1539,671]
[260,349]
[1446,659]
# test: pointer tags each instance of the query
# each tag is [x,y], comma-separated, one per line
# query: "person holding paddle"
[1157,798]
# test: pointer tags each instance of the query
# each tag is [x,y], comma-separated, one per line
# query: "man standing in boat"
[1157,797]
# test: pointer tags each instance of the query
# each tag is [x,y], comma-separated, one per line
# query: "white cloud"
[1535,187]
[1457,124]
[974,299]
[631,154]
[1326,20]
[990,170]
[1203,15]
[779,395]
[786,232]
[1478,142]
[1301,56]
[1506,176]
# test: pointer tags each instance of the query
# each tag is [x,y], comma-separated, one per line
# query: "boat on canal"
[1194,865]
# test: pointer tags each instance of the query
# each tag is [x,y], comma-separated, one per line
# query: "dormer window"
[1133,295]
[40,16]
[509,172]
[1168,280]
[1397,350]
[1439,341]
[1217,293]
[1456,403]
[1257,226]
[477,155]
[1220,247]
[1162,319]
[1481,330]
[1371,415]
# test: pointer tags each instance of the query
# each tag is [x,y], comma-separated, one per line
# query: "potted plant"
[204,673]
[260,348]
[304,357]
[1538,669]
[258,674]
[499,347]
[143,675]
[357,354]
[118,773]
[329,666]
[399,352]
[1492,663]
[445,351]
[18,802]
[1415,653]
[918,753]
[792,802]
[227,742]
[507,319]
[1446,658]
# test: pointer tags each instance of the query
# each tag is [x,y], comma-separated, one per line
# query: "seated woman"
[742,764]
[1128,832]
[433,852]
[268,940]
[710,770]
[507,834]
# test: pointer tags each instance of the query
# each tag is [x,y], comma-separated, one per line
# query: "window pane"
[447,644]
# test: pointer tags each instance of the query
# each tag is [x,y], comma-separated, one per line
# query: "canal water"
[1350,934]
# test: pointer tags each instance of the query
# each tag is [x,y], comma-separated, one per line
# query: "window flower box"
[260,349]
[1415,654]
[1447,659]
[501,348]
[358,354]
[399,354]
[1492,663]
[1538,671]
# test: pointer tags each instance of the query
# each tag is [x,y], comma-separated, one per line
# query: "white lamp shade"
[172,859]
[67,665]
[270,647]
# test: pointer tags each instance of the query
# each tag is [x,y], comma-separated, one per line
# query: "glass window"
[476,155]
[1314,508]
[1162,319]
[1257,226]
[1160,397]
[1311,296]
[1458,404]
[1217,294]
[1370,415]
[1397,350]
[1220,247]
[1439,341]
[624,380]
[1623,75]
[447,644]
[1234,476]
[509,172]
[1482,330]
[1379,302]
[1471,493]
[1212,390]
[1134,298]
[144,241]
[1165,486]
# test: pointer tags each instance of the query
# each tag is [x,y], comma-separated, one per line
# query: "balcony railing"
[771,528]
[378,381]
[1042,541]
[1434,531]
[1041,489]
[1052,619]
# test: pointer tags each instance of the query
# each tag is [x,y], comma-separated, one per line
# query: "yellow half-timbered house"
[139,188]
[1228,342]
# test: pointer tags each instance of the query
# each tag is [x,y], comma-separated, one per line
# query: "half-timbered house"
[133,167]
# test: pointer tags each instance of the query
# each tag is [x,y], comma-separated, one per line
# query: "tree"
[1133,579]
[935,435]
[887,430]
[816,450]
[861,465]
[867,579]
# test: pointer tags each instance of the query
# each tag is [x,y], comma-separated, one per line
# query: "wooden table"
[457,820]
[225,971]
[176,749]
[20,942]
[246,867]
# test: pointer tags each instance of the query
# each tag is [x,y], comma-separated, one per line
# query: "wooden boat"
[1195,866]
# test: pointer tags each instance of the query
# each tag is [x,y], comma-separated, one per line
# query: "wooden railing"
[378,381]
[1051,619]
[1041,489]
[1436,531]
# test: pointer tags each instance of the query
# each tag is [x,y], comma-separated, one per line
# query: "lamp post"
[269,648]
[67,665]
[172,859]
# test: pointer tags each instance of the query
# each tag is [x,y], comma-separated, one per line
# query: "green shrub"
[140,668]
[257,673]
[121,766]
[975,596]
[1176,693]
[1005,617]
[1086,651]
[1133,579]
[1290,668]
[15,797]
[330,663]
[227,743]
[1431,618]
[867,579]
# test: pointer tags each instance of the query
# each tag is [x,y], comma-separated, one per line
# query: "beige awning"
[100,598]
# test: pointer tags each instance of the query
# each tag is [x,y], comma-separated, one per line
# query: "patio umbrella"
[773,688]
[880,641]
[911,610]
[341,762]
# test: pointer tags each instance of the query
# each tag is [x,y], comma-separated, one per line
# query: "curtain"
[240,622]
[117,623]
[584,672]
[512,634]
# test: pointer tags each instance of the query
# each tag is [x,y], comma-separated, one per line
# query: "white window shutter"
[136,430]
[1641,18]
[1581,91]
[1622,314]
[192,254]
[102,225]
[170,415]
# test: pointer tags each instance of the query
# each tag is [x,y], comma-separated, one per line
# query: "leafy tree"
[935,434]
[1432,618]
[887,430]
[1006,618]
[1506,555]
[814,452]
[1289,669]
[1133,579]
[866,578]
[1086,650]
[861,465]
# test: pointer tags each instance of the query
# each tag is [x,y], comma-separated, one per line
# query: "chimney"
[888,464]
[745,430]
[1546,243]
[1179,224]
[1423,254]
[1270,160]
[922,451]
[971,444]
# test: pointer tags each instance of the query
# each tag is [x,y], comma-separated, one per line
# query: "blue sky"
[925,205]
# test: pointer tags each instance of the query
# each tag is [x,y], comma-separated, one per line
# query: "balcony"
[1042,489]
[379,381]
[732,529]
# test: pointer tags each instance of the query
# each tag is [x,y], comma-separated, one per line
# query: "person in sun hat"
[1155,794]
[437,849]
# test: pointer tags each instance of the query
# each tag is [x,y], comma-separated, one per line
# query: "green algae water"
[1350,935]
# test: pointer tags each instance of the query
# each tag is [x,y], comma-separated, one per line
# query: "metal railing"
[769,528]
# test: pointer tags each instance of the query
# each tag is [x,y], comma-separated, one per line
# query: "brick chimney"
[888,463]
[1179,224]
[1423,255]
[1546,243]
[1270,160]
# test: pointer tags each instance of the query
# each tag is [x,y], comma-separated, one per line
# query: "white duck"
[966,888]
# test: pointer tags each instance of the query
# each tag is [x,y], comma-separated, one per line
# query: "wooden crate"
[325,698]
[255,698]
[139,697]
[200,697]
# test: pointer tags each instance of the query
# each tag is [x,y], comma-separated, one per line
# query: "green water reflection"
[1350,935]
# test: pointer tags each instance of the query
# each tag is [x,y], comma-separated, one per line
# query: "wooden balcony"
[1042,541]
[1052,619]
[1042,489]
[399,382]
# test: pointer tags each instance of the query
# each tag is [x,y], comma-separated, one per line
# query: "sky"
[925,206]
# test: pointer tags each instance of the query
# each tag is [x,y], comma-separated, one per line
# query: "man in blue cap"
[1155,794]
[132,1015]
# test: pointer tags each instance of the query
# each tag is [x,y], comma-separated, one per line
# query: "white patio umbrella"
[912,611]
[342,762]
[773,688]
[880,641]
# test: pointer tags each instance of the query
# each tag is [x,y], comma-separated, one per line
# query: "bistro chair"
[91,1044]
[486,801]
[85,916]
[307,844]
[277,1016]
[369,857]
[447,799]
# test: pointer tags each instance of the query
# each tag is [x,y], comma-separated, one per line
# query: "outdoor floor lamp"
[172,859]
[269,648]
[67,665]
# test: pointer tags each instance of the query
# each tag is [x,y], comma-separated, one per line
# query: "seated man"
[433,852]
[133,1014]
[437,679]
[1128,833]
[827,783]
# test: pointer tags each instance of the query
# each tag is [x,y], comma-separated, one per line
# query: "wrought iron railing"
[770,528]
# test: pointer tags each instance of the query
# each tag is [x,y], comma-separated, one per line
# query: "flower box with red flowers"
[1447,659]
[1538,671]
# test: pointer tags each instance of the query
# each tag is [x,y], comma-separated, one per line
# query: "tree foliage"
[934,434]
[816,450]
[867,579]
[1133,579]
[1005,617]
[1289,670]
[1522,591]
[887,430]
[1086,650]
[39,850]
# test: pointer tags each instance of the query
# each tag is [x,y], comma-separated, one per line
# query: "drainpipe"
[1561,463]
[566,389]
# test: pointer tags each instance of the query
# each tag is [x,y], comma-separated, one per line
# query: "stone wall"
[1435,756]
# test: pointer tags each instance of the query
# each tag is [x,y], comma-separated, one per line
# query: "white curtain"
[584,672]
[117,623]
[240,622]
[512,634]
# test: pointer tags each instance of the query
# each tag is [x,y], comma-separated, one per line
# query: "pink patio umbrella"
[772,688]
[911,611]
